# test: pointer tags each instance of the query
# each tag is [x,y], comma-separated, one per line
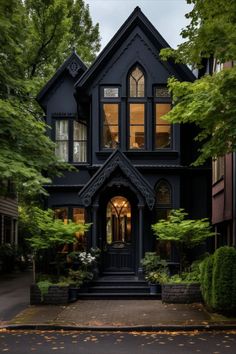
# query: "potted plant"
[155,279]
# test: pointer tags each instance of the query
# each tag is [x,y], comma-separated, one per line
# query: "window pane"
[162,91]
[163,127]
[110,136]
[61,129]
[110,125]
[136,83]
[137,112]
[78,215]
[61,150]
[110,113]
[80,151]
[80,131]
[161,109]
[163,136]
[62,214]
[137,140]
[111,92]
[163,195]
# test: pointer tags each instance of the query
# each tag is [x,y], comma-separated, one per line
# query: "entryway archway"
[119,243]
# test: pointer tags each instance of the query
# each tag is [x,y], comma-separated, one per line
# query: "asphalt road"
[14,294]
[22,342]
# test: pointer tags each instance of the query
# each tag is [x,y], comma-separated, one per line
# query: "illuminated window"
[137,125]
[110,121]
[118,220]
[162,127]
[62,214]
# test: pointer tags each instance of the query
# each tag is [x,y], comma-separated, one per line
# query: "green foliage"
[211,33]
[43,231]
[36,37]
[43,287]
[184,233]
[218,279]
[223,278]
[209,102]
[79,277]
[152,262]
[157,277]
[206,269]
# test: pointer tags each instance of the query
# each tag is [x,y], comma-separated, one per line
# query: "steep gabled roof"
[117,159]
[136,18]
[73,58]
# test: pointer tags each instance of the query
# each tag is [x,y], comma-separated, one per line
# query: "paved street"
[21,342]
[14,294]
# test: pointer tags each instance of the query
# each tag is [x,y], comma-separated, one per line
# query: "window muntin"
[137,125]
[136,83]
[162,127]
[79,142]
[110,120]
[62,139]
[118,223]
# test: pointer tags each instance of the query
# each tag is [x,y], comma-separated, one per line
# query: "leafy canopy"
[180,230]
[209,102]
[43,231]
[36,37]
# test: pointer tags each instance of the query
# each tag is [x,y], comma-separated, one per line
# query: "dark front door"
[118,251]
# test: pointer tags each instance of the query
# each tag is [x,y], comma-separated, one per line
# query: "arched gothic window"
[136,83]
[136,109]
[163,194]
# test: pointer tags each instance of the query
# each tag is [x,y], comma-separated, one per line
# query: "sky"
[166,15]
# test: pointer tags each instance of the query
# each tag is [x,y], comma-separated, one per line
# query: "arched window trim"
[140,67]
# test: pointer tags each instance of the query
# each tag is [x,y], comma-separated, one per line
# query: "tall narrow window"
[110,120]
[136,83]
[137,125]
[79,142]
[136,108]
[163,127]
[62,139]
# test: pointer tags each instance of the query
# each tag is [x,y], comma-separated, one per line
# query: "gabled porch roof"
[117,160]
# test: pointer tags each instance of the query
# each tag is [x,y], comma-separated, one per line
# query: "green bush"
[223,279]
[218,279]
[206,268]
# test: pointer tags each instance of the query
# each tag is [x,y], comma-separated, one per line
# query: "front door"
[118,243]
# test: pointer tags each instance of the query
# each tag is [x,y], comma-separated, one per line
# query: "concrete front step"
[117,296]
[119,289]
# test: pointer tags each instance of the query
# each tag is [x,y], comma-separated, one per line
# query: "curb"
[161,328]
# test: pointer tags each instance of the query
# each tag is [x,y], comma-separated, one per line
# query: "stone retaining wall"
[181,293]
[56,295]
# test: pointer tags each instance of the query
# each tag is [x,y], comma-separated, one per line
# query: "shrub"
[152,262]
[223,279]
[206,268]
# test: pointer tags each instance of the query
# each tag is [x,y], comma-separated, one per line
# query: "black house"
[133,165]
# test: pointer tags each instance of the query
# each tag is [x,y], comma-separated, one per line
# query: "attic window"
[136,83]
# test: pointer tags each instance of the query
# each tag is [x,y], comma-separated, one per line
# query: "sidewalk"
[120,315]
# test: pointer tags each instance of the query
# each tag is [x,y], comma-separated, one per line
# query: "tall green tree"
[209,102]
[36,37]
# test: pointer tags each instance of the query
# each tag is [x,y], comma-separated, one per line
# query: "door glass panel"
[118,220]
